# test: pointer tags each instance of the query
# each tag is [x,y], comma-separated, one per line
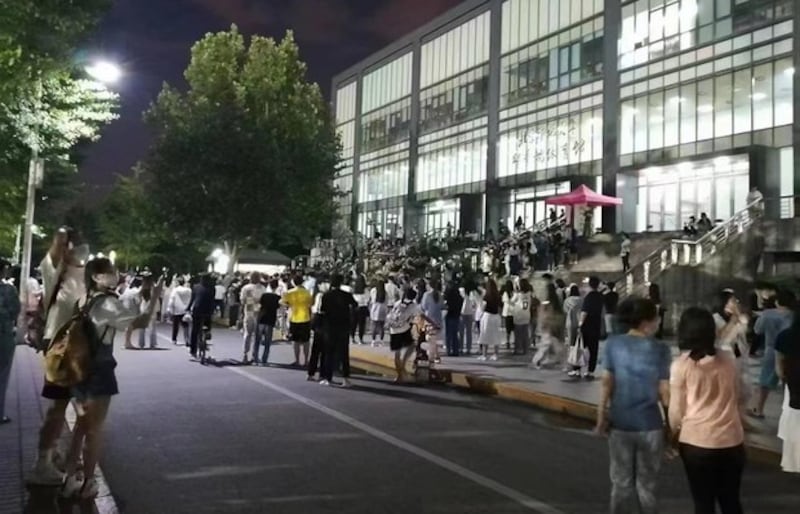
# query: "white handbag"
[578,354]
[187,318]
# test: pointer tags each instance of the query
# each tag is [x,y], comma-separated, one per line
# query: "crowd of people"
[427,304]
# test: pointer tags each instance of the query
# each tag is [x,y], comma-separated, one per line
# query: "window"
[386,126]
[745,100]
[454,101]
[537,71]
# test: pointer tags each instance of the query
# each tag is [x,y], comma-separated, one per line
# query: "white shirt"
[112,313]
[521,308]
[251,298]
[410,311]
[361,299]
[219,292]
[506,305]
[392,292]
[72,289]
[179,299]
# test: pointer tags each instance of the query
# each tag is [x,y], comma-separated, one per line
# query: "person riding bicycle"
[202,308]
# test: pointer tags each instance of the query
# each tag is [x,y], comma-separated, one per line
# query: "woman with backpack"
[107,316]
[401,320]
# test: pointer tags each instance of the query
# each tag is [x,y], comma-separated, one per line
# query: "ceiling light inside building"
[705,108]
[758,96]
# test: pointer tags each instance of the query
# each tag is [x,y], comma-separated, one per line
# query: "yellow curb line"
[380,364]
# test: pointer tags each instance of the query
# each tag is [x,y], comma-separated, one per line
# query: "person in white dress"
[491,322]
[787,366]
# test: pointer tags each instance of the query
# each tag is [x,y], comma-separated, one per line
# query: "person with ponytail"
[705,414]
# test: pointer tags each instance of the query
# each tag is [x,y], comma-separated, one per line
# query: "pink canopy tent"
[584,196]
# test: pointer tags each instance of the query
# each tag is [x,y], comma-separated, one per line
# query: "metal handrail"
[688,252]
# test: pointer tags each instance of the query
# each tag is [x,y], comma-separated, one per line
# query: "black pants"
[626,263]
[338,350]
[198,322]
[177,323]
[319,354]
[591,341]
[233,315]
[360,317]
[715,476]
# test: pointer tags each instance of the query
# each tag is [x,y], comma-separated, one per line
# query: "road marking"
[512,494]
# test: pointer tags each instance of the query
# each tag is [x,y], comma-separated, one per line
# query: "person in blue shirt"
[769,324]
[635,389]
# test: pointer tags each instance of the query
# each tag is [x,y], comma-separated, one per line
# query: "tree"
[248,154]
[129,224]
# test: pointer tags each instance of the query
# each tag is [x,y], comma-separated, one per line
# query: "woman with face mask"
[108,316]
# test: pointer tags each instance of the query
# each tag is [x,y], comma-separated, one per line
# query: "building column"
[493,200]
[796,103]
[411,213]
[356,156]
[612,20]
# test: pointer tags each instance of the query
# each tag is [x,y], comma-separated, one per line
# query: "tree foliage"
[247,155]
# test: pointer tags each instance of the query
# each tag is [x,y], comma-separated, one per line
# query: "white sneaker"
[481,357]
[324,383]
[493,358]
[574,373]
[45,473]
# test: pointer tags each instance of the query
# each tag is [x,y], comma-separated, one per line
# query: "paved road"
[187,438]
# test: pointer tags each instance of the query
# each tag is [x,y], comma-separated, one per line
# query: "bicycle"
[204,346]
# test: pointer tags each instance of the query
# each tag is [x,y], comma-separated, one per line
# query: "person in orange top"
[299,301]
[705,414]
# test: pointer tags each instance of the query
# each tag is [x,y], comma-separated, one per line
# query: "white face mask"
[106,280]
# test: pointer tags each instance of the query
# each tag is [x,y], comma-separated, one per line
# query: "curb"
[366,360]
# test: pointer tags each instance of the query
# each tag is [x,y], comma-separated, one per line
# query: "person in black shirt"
[610,301]
[267,318]
[335,312]
[591,323]
[452,320]
[202,308]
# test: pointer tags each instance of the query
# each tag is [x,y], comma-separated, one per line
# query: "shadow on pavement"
[45,500]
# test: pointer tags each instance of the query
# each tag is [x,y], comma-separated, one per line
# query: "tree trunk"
[232,251]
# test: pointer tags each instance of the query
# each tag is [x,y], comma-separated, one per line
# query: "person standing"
[10,308]
[432,305]
[267,320]
[787,366]
[610,302]
[177,308]
[573,306]
[635,389]
[769,324]
[491,323]
[705,414]
[131,298]
[250,299]
[319,345]
[299,301]
[146,298]
[202,308]
[469,305]
[521,313]
[378,309]
[591,324]
[361,311]
[454,303]
[219,297]
[508,319]
[63,286]
[625,252]
[401,320]
[336,305]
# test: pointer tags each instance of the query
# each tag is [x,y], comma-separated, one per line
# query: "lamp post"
[101,71]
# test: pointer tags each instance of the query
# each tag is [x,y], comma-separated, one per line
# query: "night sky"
[151,40]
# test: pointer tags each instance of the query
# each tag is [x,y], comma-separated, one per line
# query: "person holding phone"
[93,396]
[63,285]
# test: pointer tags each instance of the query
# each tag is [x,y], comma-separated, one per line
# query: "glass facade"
[743,100]
[457,124]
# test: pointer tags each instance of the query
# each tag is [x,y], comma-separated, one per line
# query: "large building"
[676,106]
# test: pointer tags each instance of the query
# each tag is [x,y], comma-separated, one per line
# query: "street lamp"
[102,71]
[105,72]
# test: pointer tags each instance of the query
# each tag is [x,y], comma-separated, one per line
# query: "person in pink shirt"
[705,414]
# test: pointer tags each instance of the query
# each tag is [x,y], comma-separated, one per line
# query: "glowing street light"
[105,72]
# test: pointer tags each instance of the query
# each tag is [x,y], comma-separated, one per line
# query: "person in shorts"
[401,321]
[63,285]
[299,301]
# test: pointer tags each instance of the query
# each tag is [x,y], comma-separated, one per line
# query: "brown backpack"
[68,358]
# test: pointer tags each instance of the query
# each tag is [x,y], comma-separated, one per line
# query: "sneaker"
[588,376]
[153,346]
[45,473]
[574,373]
[481,357]
[493,358]
[324,383]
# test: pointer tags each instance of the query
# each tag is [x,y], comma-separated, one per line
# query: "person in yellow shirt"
[299,301]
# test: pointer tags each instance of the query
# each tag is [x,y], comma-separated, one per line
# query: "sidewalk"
[512,378]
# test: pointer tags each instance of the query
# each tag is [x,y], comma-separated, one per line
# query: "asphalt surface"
[182,437]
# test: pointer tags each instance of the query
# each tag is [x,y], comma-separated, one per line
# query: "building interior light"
[656,119]
[705,108]
[758,96]
[789,71]
[722,161]
[677,99]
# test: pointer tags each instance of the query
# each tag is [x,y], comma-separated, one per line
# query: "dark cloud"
[397,18]
[249,15]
